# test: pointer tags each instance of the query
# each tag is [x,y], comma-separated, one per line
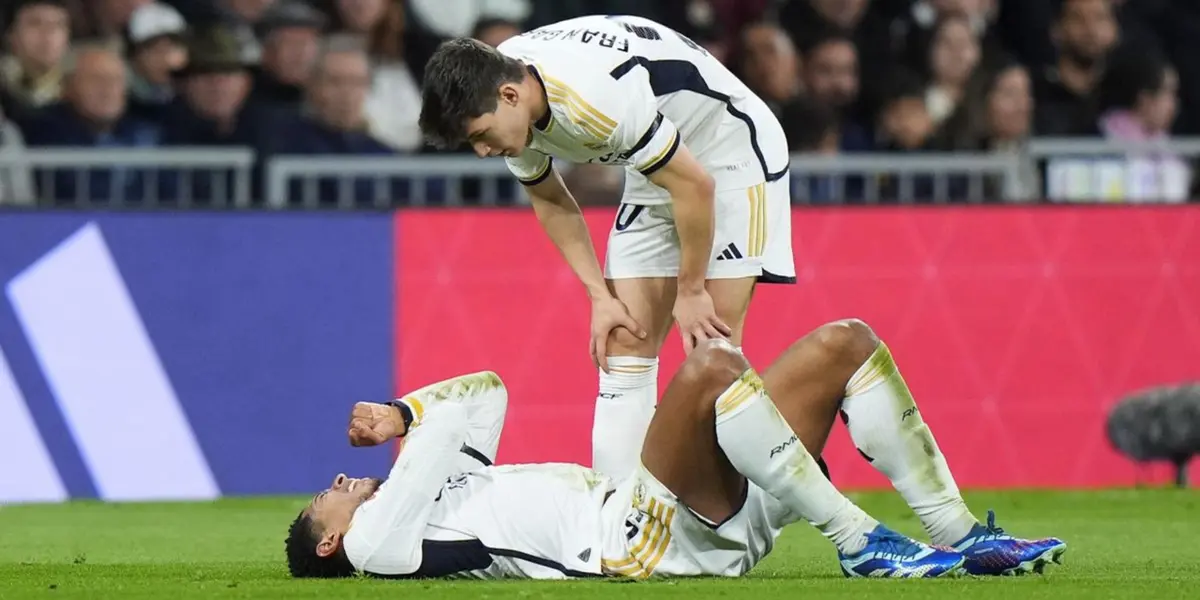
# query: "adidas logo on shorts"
[730,253]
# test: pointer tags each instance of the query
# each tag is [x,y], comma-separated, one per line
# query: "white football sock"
[624,407]
[762,446]
[887,427]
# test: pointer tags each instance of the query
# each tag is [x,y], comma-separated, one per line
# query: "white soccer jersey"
[445,512]
[627,91]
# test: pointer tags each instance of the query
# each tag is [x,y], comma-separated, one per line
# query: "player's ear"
[329,544]
[509,94]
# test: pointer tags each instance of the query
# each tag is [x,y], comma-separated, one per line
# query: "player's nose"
[339,481]
[482,151]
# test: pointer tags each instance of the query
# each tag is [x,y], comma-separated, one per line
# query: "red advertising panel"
[1017,328]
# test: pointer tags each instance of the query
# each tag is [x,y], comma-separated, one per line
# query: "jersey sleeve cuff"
[540,177]
[663,157]
[415,407]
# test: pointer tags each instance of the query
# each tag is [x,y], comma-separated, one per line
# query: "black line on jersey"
[666,158]
[645,139]
[542,176]
[735,251]
[475,454]
[670,76]
[442,558]
[545,562]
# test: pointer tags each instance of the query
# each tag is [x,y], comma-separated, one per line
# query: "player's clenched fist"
[372,424]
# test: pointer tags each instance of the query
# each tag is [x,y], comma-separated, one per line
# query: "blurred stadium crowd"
[342,77]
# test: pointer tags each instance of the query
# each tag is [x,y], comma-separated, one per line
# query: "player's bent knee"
[622,342]
[848,340]
[714,364]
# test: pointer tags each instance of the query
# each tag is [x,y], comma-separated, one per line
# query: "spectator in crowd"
[493,31]
[904,121]
[215,91]
[241,17]
[16,186]
[214,108]
[917,30]
[1138,101]
[38,38]
[291,34]
[394,101]
[812,129]
[92,115]
[334,121]
[831,78]
[107,19]
[953,55]
[156,50]
[770,65]
[1085,32]
[996,113]
[810,20]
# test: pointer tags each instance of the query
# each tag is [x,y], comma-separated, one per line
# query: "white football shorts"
[753,237]
[649,533]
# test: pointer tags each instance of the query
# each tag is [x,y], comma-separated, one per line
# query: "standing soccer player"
[706,207]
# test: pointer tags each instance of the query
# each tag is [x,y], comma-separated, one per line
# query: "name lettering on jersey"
[586,36]
[649,33]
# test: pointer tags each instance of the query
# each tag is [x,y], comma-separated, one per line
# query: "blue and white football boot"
[889,554]
[990,551]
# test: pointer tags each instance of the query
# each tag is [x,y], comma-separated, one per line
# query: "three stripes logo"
[105,379]
[730,252]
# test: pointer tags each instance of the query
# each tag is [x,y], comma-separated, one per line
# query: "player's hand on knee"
[609,314]
[697,319]
[372,424]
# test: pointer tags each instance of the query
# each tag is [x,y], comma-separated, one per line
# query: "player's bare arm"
[563,221]
[692,198]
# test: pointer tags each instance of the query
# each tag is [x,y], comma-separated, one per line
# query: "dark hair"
[1060,8]
[824,37]
[462,80]
[15,8]
[1130,72]
[968,127]
[901,84]
[302,558]
[806,123]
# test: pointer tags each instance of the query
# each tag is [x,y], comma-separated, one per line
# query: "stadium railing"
[141,177]
[1059,169]
[927,178]
[312,181]
[1098,170]
[385,181]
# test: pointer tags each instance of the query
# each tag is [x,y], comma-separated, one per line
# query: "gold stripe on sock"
[746,387]
[630,368]
[878,368]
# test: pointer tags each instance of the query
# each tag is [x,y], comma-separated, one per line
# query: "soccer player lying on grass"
[726,465]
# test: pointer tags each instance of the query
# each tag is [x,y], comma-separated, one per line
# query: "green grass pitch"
[1123,544]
